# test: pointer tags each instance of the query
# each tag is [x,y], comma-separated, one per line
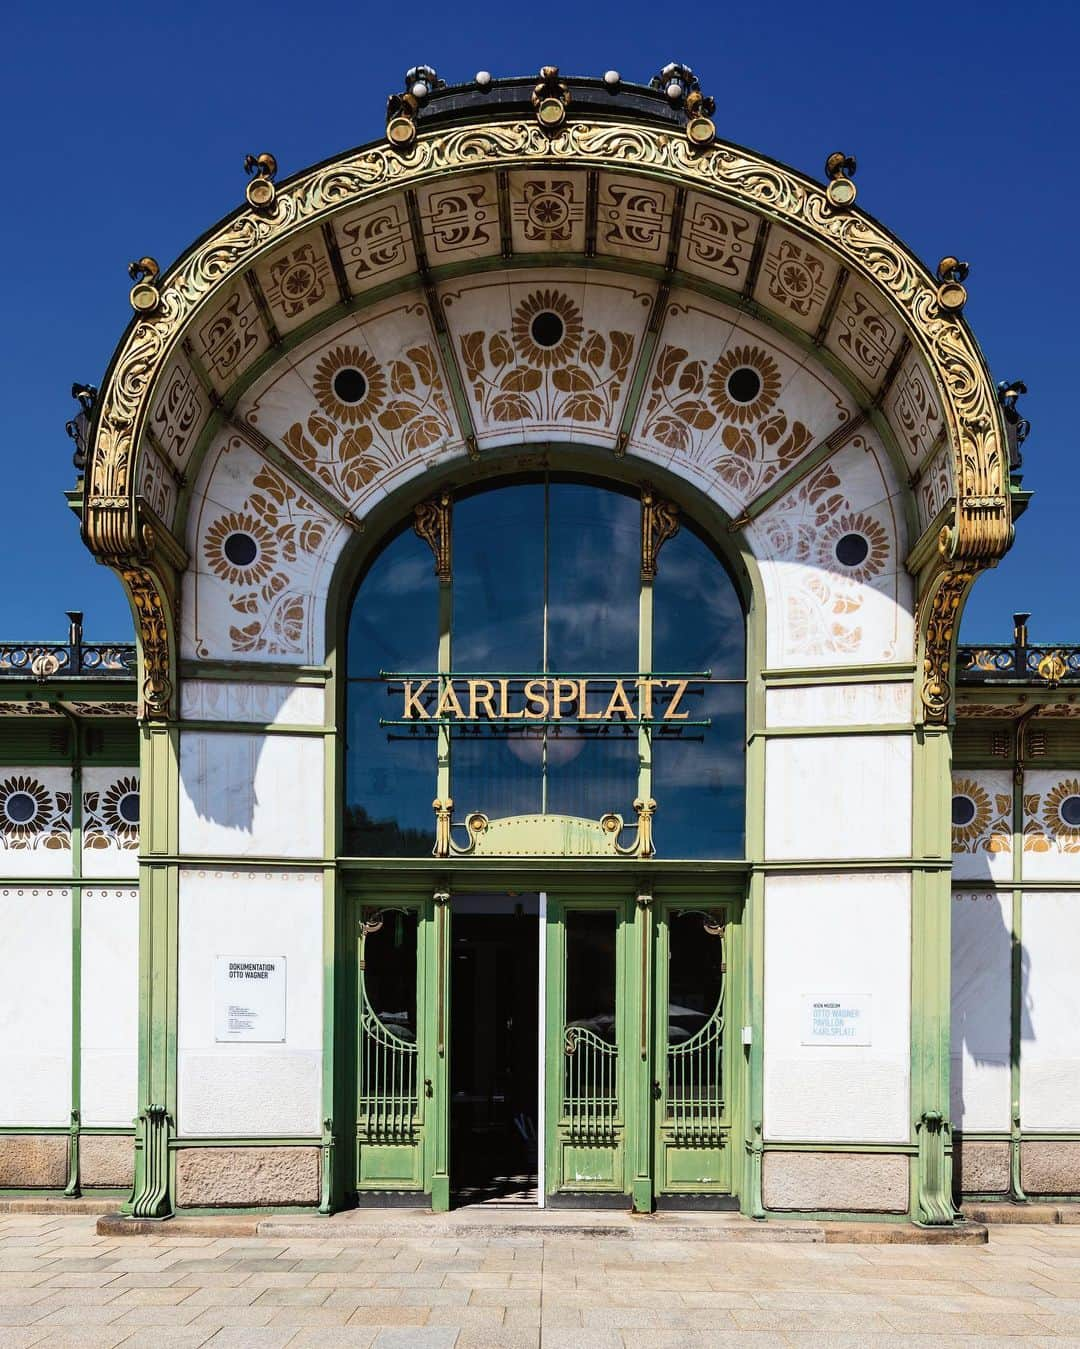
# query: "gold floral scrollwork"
[476,824]
[942,616]
[659,522]
[1052,669]
[152,619]
[642,846]
[432,524]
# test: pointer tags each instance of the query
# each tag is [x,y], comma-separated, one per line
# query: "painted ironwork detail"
[1004,663]
[935,1206]
[695,1070]
[590,1105]
[659,522]
[543,835]
[388,1105]
[43,660]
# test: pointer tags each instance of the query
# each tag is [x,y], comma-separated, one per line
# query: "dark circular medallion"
[547,329]
[852,549]
[963,810]
[1070,811]
[350,385]
[743,385]
[240,549]
[21,807]
[128,808]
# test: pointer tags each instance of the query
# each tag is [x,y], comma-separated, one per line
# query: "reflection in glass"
[390,771]
[695,1024]
[699,775]
[590,971]
[389,970]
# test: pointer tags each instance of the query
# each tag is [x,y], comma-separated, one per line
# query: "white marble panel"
[110,1005]
[35,822]
[244,700]
[843,936]
[35,1005]
[243,1089]
[982,824]
[110,822]
[251,795]
[839,705]
[1051,825]
[981,1000]
[838,797]
[1050,1012]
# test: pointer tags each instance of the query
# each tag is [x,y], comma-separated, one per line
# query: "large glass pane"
[594,569]
[590,774]
[590,971]
[390,771]
[699,773]
[499,581]
[389,970]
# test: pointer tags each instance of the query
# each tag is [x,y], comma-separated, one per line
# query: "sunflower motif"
[25,810]
[744,384]
[349,385]
[120,811]
[240,548]
[857,543]
[1063,809]
[971,814]
[547,329]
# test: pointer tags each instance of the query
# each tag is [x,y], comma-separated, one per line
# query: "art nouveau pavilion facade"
[618,492]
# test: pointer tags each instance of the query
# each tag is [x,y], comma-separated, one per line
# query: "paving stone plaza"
[62,1284]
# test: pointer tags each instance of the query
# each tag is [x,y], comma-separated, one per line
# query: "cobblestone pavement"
[61,1284]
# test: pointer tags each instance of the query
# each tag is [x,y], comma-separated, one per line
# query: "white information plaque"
[249,999]
[836,1020]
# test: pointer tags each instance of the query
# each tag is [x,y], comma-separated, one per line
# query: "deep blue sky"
[126,128]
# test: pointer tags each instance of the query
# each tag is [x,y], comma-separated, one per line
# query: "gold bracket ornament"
[261,190]
[432,524]
[145,296]
[840,169]
[700,128]
[944,613]
[642,845]
[401,110]
[550,99]
[951,294]
[150,613]
[659,522]
[1052,669]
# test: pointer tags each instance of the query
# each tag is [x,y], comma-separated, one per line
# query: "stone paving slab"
[557,1290]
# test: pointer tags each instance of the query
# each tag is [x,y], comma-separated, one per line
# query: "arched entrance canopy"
[617,194]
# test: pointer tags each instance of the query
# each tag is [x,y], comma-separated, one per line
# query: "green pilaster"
[931,946]
[641,1078]
[437,1084]
[72,1189]
[158,913]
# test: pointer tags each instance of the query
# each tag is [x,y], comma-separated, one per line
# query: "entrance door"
[692,1055]
[587,1044]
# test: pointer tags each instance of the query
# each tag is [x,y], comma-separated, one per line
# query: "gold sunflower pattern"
[842,552]
[111,816]
[551,368]
[32,816]
[370,418]
[731,404]
[981,820]
[1052,817]
[253,550]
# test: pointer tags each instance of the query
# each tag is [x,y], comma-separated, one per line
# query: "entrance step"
[479,1222]
[1004,1211]
[60,1206]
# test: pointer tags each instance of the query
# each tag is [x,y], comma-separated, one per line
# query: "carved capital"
[939,616]
[432,524]
[659,522]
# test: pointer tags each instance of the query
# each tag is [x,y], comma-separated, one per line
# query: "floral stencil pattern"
[981,820]
[32,816]
[696,409]
[810,526]
[551,369]
[253,550]
[1052,818]
[371,418]
[111,816]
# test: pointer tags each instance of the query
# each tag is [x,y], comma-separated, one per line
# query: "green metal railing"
[590,1087]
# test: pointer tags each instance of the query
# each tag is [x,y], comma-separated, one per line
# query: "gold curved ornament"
[981,531]
[1052,668]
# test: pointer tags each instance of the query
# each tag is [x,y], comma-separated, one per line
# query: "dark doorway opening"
[494,1045]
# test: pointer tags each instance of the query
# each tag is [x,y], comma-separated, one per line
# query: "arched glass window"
[550,671]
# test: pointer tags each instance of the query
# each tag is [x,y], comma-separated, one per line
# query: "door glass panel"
[388,1103]
[695,1024]
[590,971]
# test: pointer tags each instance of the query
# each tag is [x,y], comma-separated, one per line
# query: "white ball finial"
[483,79]
[612,78]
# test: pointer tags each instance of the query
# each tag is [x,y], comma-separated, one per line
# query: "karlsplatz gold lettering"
[544,698]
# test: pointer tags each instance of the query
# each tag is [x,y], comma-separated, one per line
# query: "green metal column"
[931,974]
[640,1059]
[158,911]
[437,1082]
